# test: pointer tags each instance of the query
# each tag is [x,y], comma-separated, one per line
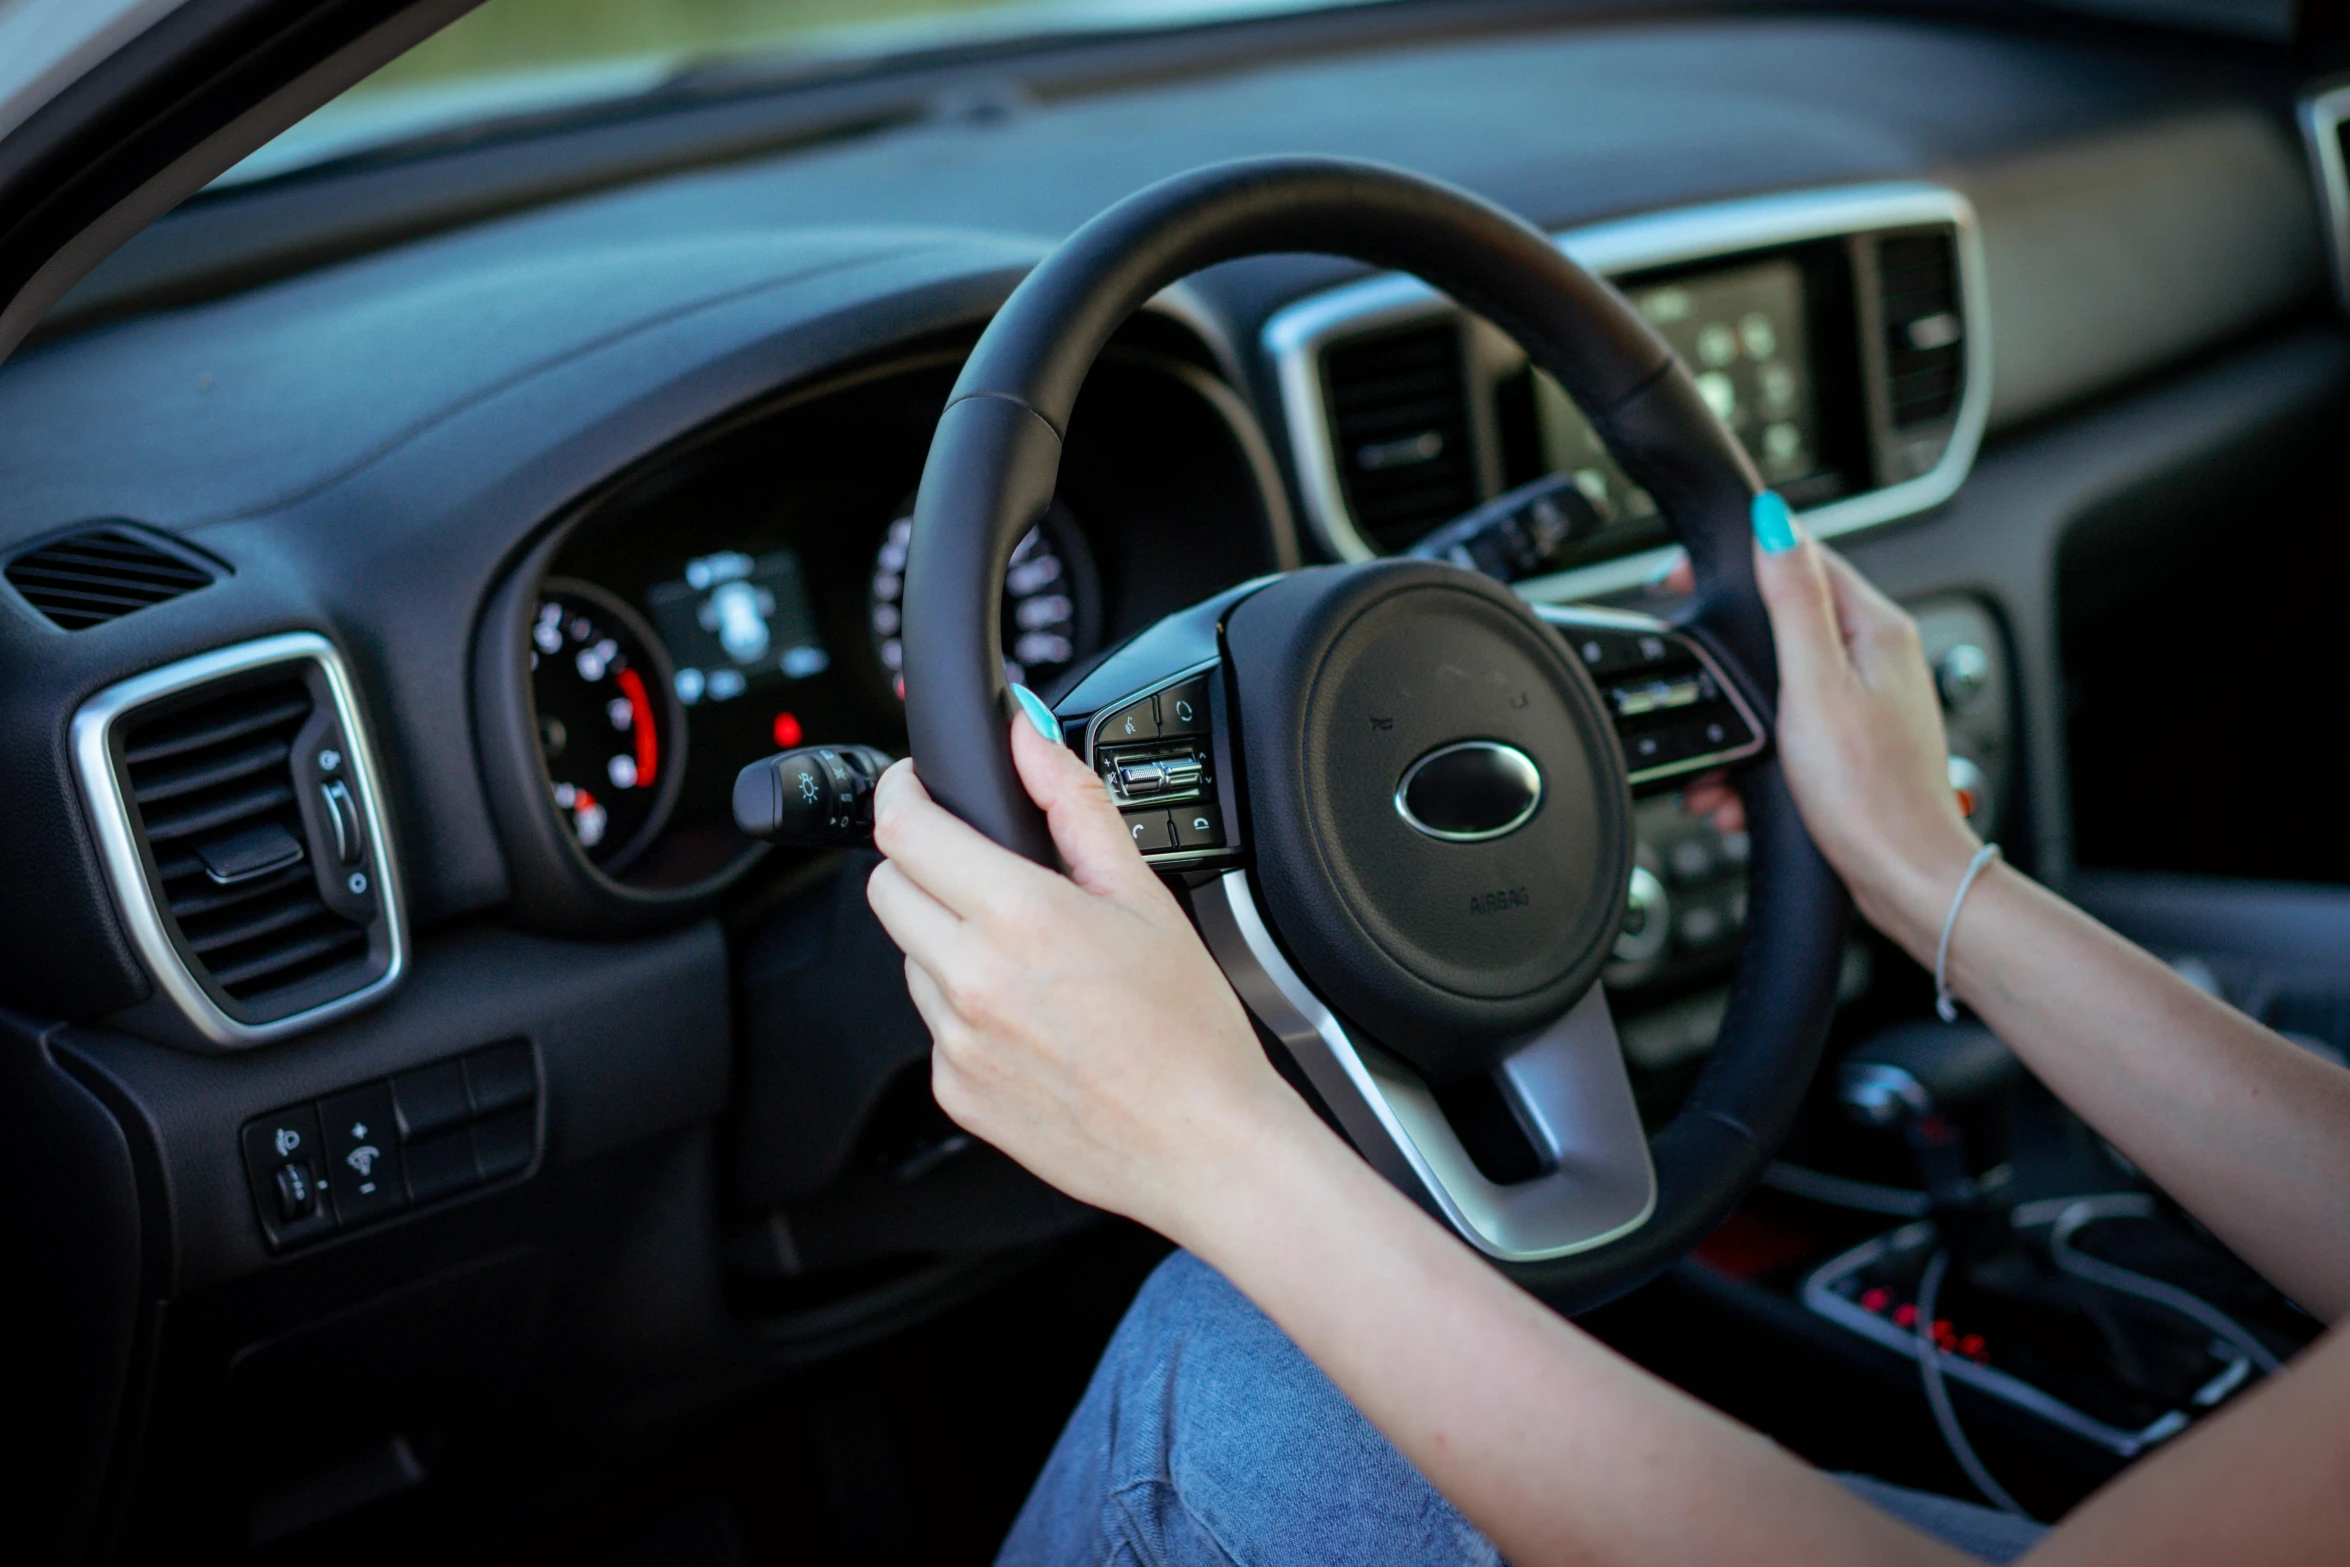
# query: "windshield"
[522,57]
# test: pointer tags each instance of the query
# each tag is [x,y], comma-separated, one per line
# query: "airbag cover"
[1445,950]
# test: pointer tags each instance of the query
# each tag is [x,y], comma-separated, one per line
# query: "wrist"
[1909,897]
[1231,1162]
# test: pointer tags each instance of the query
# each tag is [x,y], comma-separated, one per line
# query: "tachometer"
[607,719]
[1051,614]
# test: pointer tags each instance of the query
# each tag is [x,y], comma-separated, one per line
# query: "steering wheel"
[1422,805]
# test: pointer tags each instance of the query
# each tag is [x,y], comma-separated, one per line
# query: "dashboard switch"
[284,1158]
[505,1144]
[342,815]
[297,1192]
[363,1154]
[430,1101]
[1961,674]
[441,1166]
[502,1076]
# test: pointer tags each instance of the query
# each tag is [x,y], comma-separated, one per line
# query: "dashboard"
[442,590]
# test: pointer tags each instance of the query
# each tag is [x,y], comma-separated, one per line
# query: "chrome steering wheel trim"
[1567,1084]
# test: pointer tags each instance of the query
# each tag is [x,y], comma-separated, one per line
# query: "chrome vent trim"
[230,772]
[2323,114]
[1294,338]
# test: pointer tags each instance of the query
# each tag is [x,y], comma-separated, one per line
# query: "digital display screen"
[734,622]
[1741,332]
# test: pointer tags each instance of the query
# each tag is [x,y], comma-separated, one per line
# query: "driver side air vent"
[211,788]
[1925,327]
[90,578]
[1399,417]
[243,836]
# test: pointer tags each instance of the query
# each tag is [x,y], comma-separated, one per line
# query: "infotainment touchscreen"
[1742,334]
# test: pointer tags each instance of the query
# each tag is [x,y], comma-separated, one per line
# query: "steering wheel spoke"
[1586,1178]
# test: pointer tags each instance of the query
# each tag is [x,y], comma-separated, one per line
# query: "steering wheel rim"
[994,464]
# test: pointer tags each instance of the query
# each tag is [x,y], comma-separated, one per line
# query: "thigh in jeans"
[1207,1437]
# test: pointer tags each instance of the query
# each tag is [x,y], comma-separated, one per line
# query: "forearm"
[2248,1131]
[1554,1446]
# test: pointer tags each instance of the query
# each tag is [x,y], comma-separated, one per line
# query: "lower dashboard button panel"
[374,1150]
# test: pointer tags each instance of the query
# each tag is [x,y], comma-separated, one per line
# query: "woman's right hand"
[1860,738]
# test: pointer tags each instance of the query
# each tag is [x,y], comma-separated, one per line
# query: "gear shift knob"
[1915,1068]
[1916,1078]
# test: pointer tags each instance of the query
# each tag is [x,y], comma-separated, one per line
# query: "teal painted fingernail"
[1774,524]
[1038,714]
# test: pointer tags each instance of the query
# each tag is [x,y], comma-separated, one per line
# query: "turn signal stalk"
[817,797]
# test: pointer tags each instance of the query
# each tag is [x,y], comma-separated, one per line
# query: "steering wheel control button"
[363,1154]
[1672,712]
[1470,791]
[1140,779]
[1197,827]
[1135,721]
[1183,709]
[1151,830]
[501,1077]
[284,1160]
[431,1101]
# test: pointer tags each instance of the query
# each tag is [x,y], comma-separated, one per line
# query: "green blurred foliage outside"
[520,35]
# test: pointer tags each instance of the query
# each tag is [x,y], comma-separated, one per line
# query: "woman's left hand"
[1077,1022]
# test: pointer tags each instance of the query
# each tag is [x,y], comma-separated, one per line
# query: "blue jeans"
[1208,1439]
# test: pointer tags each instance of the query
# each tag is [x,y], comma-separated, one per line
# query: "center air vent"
[1399,417]
[90,578]
[236,813]
[1925,327]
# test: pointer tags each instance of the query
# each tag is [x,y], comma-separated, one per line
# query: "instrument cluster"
[745,593]
[651,694]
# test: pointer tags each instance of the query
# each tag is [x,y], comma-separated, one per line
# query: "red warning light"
[788,732]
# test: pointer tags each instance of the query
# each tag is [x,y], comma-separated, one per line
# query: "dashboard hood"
[245,406]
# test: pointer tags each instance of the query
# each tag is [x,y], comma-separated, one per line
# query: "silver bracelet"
[1974,867]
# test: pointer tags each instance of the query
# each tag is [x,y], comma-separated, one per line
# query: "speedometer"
[1050,607]
[606,719]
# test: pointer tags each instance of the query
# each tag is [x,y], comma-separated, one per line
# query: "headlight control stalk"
[817,797]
